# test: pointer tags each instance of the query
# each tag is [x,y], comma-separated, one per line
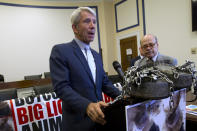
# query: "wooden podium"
[152,115]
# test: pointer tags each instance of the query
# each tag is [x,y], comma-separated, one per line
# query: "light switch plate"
[193,50]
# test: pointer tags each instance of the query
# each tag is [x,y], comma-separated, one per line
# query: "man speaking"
[78,76]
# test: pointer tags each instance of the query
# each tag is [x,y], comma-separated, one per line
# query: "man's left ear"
[74,27]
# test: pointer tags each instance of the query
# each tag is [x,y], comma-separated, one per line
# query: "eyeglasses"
[151,45]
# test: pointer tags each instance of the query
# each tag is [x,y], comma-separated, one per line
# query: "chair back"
[1,78]
[47,75]
[7,94]
[33,77]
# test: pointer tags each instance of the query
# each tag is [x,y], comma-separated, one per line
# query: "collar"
[81,44]
[155,57]
[141,56]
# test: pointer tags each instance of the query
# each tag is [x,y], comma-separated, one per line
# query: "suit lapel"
[82,59]
[158,57]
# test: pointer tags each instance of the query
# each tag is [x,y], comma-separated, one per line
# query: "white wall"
[27,36]
[171,20]
[25,44]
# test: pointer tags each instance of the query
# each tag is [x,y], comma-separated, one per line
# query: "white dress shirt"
[89,57]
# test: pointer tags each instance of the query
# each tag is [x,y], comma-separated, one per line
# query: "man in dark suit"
[137,58]
[78,76]
[134,60]
[149,45]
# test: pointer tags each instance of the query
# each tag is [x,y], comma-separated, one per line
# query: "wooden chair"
[1,78]
[47,75]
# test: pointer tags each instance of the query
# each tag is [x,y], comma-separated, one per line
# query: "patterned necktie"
[91,63]
[150,61]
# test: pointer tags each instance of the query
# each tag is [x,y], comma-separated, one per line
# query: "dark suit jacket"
[134,60]
[73,83]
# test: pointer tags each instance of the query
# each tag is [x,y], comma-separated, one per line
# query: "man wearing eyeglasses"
[149,45]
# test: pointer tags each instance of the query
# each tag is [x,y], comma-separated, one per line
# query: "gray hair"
[76,15]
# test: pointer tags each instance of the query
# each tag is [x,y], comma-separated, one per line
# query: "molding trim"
[59,7]
[137,33]
[116,19]
[144,21]
[38,6]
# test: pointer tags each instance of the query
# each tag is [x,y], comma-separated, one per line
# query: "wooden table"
[191,120]
[25,83]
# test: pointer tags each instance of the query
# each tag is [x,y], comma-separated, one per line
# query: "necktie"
[150,61]
[91,63]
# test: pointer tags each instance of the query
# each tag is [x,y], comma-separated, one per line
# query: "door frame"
[124,37]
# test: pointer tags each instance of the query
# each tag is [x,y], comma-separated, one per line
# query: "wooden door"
[128,49]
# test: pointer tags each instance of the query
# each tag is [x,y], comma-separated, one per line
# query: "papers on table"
[191,109]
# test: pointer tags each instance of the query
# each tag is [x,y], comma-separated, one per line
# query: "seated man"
[149,45]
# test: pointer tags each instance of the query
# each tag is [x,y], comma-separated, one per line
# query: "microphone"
[118,69]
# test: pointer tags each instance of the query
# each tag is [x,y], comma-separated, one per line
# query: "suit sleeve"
[132,62]
[107,86]
[175,62]
[61,81]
